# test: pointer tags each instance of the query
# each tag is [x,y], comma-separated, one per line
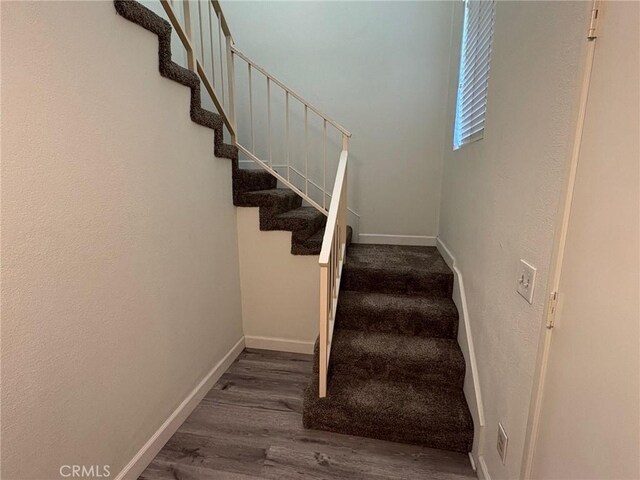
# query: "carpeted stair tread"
[393,357]
[394,313]
[299,219]
[427,415]
[313,244]
[397,269]
[246,180]
[274,197]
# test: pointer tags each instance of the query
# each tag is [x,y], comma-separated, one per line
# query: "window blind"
[475,57]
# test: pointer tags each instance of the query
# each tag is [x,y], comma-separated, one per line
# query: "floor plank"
[249,427]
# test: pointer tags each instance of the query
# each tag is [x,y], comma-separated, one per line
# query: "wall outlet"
[502,443]
[526,280]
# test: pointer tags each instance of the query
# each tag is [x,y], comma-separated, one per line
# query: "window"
[475,57]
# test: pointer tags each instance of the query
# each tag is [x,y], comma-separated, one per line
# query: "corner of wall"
[279,290]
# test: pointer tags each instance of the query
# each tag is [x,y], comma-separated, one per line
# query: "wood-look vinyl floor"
[249,426]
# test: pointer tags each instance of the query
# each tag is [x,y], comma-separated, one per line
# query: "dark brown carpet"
[396,370]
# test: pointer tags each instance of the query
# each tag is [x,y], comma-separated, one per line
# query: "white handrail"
[189,39]
[331,261]
[268,163]
[288,90]
[334,242]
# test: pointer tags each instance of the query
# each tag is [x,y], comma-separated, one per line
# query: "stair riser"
[368,368]
[267,214]
[440,324]
[249,181]
[271,205]
[302,229]
[368,280]
[347,361]
[302,234]
[315,415]
[453,441]
[302,249]
[313,247]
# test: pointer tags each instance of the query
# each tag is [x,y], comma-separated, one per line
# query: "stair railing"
[332,259]
[334,243]
[268,163]
[196,61]
[226,104]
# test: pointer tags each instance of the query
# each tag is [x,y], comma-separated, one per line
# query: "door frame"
[557,258]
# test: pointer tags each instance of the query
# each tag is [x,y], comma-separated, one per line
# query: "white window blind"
[475,57]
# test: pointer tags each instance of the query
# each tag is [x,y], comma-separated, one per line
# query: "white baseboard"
[471,387]
[278,344]
[472,461]
[446,253]
[483,471]
[384,239]
[150,449]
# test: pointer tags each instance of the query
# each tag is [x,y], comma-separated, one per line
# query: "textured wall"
[280,300]
[378,68]
[590,419]
[120,278]
[500,199]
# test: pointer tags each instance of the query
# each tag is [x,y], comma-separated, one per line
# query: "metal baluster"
[287,134]
[202,38]
[213,73]
[324,165]
[253,145]
[269,119]
[220,48]
[230,83]
[191,60]
[306,150]
[324,330]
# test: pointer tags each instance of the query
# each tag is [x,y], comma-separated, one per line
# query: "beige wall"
[590,418]
[500,197]
[280,299]
[120,278]
[378,68]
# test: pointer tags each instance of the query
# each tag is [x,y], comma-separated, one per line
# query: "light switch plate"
[526,280]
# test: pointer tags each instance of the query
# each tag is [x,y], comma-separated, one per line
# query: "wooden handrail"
[334,241]
[223,21]
[334,209]
[332,258]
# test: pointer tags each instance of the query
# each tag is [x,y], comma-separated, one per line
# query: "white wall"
[500,198]
[280,299]
[120,277]
[378,68]
[590,417]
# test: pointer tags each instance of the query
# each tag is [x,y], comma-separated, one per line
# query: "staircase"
[387,363]
[280,209]
[396,370]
